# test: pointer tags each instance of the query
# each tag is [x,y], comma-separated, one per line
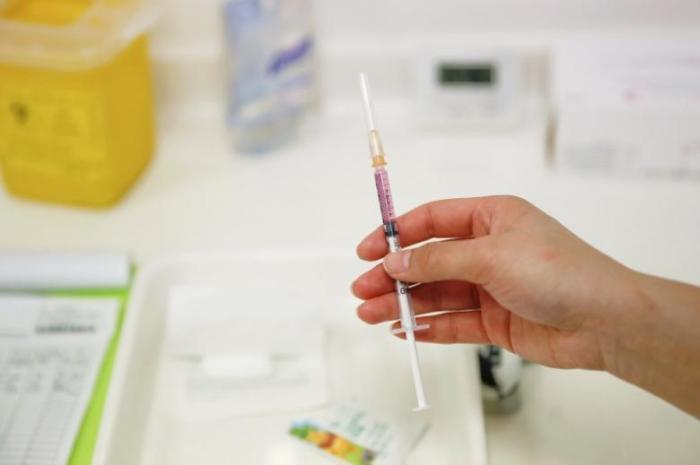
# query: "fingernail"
[352,288]
[363,243]
[399,335]
[397,262]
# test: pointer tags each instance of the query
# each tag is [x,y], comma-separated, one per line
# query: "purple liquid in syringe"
[386,204]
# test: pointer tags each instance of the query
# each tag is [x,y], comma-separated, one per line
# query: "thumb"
[464,260]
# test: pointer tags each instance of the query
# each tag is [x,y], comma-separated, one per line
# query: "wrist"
[623,323]
[653,341]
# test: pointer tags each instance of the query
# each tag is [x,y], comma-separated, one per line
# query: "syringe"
[391,233]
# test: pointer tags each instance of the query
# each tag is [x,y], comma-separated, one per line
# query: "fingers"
[459,218]
[444,218]
[471,260]
[428,298]
[450,328]
[373,283]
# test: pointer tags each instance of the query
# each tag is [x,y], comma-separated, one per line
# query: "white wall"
[392,17]
[384,36]
[196,23]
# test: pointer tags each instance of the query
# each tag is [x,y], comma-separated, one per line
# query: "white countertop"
[198,195]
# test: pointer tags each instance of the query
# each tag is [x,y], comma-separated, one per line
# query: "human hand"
[510,275]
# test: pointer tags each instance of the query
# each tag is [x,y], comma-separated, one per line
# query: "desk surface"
[198,195]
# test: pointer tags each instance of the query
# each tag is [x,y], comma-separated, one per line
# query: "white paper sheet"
[224,359]
[51,350]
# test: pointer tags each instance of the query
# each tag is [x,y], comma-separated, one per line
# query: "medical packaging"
[628,107]
[76,100]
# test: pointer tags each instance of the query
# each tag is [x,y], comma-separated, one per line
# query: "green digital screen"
[467,74]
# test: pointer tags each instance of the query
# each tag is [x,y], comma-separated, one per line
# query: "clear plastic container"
[76,99]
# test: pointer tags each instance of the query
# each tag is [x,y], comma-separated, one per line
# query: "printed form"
[51,351]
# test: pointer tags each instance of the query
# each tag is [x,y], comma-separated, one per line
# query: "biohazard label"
[54,132]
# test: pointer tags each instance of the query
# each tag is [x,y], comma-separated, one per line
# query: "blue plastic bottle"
[272,76]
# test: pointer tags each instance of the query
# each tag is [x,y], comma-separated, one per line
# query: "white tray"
[366,364]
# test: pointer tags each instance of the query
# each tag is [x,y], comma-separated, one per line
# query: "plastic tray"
[366,364]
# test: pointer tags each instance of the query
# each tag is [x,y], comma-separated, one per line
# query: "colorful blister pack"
[332,443]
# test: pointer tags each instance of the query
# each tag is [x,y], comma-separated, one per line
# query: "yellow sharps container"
[76,99]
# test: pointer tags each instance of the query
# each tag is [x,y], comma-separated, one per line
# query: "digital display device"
[455,74]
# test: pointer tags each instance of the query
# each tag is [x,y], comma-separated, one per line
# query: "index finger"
[452,218]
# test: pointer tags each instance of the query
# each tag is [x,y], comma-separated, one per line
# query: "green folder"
[84,446]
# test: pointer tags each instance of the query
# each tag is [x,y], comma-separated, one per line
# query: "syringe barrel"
[391,233]
[402,290]
[386,201]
